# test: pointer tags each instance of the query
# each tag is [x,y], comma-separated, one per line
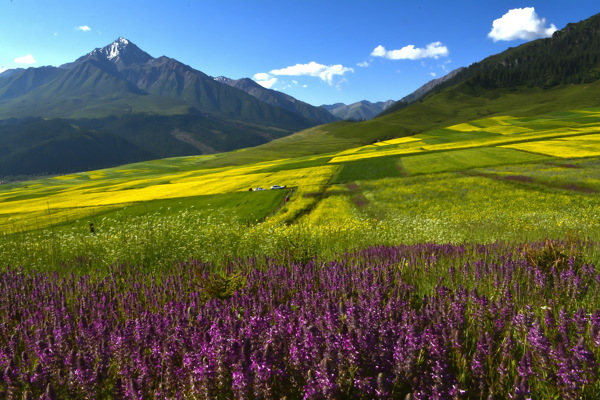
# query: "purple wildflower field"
[420,322]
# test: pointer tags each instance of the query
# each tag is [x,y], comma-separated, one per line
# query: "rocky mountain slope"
[279,99]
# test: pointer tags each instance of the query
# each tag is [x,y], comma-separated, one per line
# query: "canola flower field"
[483,143]
[458,263]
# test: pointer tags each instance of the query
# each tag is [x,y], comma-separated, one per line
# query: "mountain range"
[279,99]
[118,104]
[159,106]
[541,77]
[359,111]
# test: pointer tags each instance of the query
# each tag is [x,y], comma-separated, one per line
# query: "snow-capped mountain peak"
[113,50]
[223,79]
[121,51]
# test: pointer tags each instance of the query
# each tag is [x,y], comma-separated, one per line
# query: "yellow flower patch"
[568,147]
[373,154]
[464,128]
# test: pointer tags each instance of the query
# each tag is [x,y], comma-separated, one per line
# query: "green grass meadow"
[452,185]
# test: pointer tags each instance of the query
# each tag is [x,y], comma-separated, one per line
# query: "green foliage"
[575,175]
[452,207]
[36,146]
[460,160]
[570,56]
[300,162]
[376,168]
[247,207]
[223,286]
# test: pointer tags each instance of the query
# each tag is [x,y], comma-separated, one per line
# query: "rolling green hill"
[547,75]
[461,103]
[160,107]
[494,178]
[34,146]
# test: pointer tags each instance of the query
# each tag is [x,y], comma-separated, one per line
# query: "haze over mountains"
[118,104]
[359,111]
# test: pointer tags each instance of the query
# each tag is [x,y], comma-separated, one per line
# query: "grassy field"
[482,181]
[466,253]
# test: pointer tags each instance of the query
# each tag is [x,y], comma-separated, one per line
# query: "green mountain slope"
[159,106]
[570,56]
[34,146]
[279,99]
[454,105]
[23,81]
[547,75]
[183,134]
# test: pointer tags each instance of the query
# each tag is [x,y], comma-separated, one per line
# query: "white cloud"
[265,80]
[325,72]
[433,74]
[410,52]
[83,28]
[363,64]
[268,83]
[28,59]
[379,51]
[520,23]
[261,76]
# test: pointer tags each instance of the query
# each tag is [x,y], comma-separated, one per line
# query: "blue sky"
[319,51]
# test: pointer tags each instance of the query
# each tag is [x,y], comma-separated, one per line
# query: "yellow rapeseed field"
[372,154]
[54,200]
[567,147]
[402,140]
[464,128]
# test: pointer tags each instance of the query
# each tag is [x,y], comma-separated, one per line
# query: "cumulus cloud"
[261,76]
[83,28]
[265,80]
[28,59]
[410,52]
[520,23]
[266,83]
[325,72]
